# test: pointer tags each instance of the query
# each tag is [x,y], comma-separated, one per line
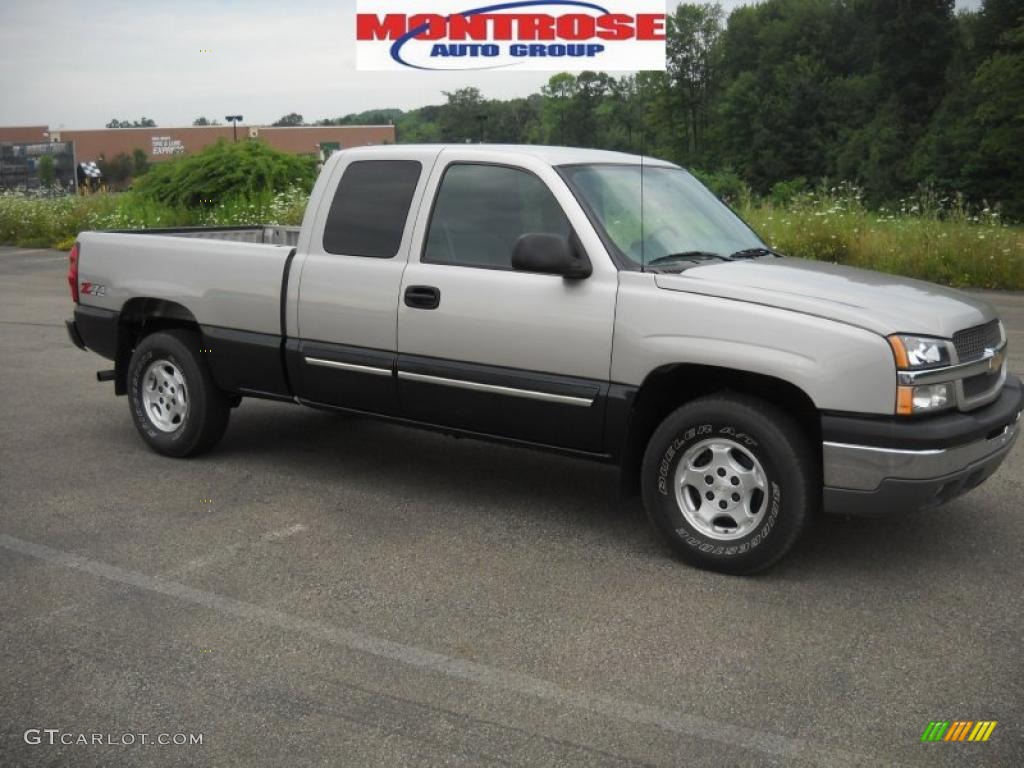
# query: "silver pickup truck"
[593,303]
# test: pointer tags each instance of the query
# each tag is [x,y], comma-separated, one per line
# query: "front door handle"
[422,297]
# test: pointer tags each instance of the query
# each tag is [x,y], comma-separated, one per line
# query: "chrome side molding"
[582,402]
[370,369]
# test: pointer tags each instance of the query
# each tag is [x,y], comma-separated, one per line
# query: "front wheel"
[175,403]
[729,481]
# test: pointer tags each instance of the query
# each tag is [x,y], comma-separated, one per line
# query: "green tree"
[47,171]
[140,162]
[416,128]
[557,117]
[975,142]
[784,94]
[117,170]
[292,119]
[370,117]
[692,57]
[774,115]
[144,122]
[994,169]
[464,116]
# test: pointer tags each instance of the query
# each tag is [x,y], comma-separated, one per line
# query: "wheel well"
[671,386]
[139,318]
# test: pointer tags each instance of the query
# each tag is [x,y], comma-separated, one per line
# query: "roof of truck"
[550,155]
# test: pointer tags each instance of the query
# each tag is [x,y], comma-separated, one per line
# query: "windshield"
[680,217]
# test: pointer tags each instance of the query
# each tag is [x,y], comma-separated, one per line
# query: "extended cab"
[594,303]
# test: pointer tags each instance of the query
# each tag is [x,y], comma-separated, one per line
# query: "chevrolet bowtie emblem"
[995,360]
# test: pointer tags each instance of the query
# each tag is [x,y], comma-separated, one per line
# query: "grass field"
[929,239]
[41,222]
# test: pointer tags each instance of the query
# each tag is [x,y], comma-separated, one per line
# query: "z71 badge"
[94,289]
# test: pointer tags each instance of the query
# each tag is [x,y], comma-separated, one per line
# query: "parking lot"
[329,590]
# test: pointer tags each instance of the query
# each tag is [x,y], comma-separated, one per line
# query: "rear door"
[490,350]
[345,295]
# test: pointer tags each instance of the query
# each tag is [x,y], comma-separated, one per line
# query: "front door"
[494,351]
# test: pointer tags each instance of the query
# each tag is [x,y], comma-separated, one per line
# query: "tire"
[175,404]
[734,446]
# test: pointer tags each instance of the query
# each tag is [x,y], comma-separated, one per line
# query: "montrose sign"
[564,35]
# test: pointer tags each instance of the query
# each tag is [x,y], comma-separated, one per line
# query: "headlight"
[925,398]
[916,353]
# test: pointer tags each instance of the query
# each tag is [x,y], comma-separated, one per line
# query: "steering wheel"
[653,239]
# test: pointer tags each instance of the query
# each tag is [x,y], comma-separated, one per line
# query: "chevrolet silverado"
[593,303]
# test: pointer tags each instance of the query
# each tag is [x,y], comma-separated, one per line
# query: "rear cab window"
[370,208]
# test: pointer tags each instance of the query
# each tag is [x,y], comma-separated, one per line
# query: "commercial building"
[160,143]
[163,143]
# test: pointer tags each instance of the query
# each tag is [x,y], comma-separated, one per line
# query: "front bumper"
[900,466]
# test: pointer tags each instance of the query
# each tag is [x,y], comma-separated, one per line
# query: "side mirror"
[551,255]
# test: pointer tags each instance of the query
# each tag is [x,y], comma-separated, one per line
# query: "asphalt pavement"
[333,591]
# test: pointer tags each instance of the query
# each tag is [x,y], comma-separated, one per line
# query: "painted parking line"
[229,551]
[29,322]
[283,533]
[22,252]
[495,678]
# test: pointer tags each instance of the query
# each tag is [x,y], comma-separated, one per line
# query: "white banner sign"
[558,35]
[165,145]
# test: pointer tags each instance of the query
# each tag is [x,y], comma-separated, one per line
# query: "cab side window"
[368,213]
[480,212]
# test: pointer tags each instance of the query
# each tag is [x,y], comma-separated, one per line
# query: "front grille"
[975,386]
[971,343]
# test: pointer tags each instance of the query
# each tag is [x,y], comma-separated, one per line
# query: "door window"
[480,212]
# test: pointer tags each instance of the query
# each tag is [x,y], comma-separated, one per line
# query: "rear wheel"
[729,481]
[175,403]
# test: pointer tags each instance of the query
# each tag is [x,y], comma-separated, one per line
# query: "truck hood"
[875,301]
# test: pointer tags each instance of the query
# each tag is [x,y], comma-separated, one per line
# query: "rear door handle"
[422,297]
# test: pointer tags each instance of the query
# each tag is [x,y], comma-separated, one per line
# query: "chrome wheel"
[721,489]
[164,395]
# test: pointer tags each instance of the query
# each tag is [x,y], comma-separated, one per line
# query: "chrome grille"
[971,343]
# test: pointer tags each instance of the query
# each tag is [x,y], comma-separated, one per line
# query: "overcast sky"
[79,63]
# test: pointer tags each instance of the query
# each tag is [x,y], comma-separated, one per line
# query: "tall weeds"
[926,237]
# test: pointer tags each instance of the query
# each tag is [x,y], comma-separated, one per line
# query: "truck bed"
[227,278]
[269,234]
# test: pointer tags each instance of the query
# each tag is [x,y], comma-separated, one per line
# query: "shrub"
[783,192]
[926,237]
[39,221]
[725,184]
[224,171]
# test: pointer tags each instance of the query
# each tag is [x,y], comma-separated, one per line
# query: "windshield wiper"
[685,256]
[752,253]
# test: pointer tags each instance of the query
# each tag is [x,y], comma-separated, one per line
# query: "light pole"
[234,120]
